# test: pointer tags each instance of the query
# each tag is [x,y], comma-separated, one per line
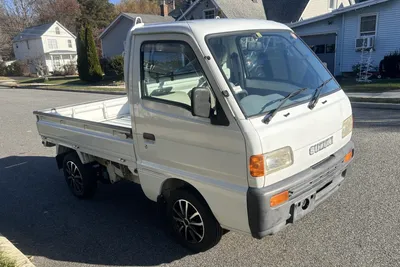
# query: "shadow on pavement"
[120,226]
[375,118]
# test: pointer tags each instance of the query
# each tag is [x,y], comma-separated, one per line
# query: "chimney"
[164,8]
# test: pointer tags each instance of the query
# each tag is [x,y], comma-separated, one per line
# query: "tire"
[80,179]
[202,230]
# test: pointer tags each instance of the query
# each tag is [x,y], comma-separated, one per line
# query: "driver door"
[170,141]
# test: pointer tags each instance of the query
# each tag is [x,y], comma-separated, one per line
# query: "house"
[284,11]
[113,37]
[337,37]
[50,45]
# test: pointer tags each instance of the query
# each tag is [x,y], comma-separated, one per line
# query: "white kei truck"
[227,124]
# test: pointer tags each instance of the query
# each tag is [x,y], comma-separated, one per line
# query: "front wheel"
[191,221]
[81,181]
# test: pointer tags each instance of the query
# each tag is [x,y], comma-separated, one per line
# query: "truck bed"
[100,128]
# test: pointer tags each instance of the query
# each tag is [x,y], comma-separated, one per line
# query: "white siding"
[62,39]
[23,52]
[332,25]
[39,47]
[388,33]
[319,7]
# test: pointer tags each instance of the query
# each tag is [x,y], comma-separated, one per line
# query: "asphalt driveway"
[358,226]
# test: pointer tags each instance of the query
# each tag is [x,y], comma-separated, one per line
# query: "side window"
[170,70]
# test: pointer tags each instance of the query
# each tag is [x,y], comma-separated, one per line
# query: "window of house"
[368,25]
[170,70]
[57,61]
[69,43]
[209,13]
[319,49]
[330,48]
[52,43]
[332,4]
[57,30]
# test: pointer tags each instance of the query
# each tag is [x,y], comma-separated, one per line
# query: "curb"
[372,105]
[11,84]
[70,90]
[375,100]
[11,252]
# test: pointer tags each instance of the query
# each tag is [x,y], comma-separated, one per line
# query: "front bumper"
[313,185]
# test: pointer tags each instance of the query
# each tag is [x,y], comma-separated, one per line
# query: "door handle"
[149,136]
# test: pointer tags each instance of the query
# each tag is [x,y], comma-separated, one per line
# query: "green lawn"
[376,86]
[6,262]
[71,82]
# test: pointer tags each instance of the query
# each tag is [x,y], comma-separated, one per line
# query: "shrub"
[117,65]
[390,67]
[69,69]
[113,67]
[58,72]
[3,69]
[17,68]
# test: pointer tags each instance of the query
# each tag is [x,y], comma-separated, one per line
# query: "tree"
[95,72]
[88,62]
[97,13]
[64,11]
[83,67]
[147,6]
[15,15]
[139,6]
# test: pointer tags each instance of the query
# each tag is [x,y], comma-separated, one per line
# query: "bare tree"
[64,11]
[39,64]
[15,15]
[145,6]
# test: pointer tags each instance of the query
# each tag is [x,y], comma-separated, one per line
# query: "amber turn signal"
[256,166]
[279,198]
[348,156]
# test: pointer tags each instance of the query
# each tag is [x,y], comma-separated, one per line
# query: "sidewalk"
[9,251]
[384,97]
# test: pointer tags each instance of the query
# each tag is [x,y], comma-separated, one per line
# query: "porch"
[55,60]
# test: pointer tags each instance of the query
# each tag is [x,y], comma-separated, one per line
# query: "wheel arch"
[175,183]
[62,151]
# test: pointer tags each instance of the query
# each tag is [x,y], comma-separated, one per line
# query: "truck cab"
[229,124]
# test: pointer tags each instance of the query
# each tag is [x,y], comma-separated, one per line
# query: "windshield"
[264,67]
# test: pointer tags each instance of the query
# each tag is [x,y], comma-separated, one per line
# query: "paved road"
[359,226]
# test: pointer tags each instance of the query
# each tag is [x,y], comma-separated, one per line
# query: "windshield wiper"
[317,94]
[270,115]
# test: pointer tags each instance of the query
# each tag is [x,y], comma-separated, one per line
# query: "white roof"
[202,28]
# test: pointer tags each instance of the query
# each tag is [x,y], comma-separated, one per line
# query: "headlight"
[278,160]
[347,126]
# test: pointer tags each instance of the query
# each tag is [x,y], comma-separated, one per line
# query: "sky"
[114,1]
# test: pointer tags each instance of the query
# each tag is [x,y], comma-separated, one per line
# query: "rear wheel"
[80,179]
[191,221]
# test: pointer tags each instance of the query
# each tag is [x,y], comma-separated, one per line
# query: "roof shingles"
[242,8]
[32,32]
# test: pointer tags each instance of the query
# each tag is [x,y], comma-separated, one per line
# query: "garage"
[324,45]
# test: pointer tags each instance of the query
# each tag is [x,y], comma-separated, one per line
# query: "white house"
[336,37]
[50,44]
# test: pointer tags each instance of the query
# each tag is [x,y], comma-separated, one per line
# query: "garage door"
[324,45]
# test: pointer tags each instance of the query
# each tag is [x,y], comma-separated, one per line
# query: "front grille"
[319,182]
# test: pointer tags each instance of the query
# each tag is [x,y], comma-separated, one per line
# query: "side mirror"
[201,102]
